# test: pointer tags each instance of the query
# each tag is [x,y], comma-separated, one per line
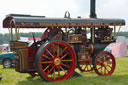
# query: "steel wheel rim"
[105,64]
[55,61]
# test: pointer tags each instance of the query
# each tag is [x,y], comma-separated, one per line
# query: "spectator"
[7,49]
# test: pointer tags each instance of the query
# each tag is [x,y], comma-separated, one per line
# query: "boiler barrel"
[99,47]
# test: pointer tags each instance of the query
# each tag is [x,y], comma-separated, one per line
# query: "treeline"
[123,34]
[5,38]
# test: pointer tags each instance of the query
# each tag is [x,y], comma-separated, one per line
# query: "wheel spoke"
[99,68]
[81,66]
[90,66]
[58,71]
[99,61]
[65,65]
[104,57]
[58,51]
[53,49]
[46,56]
[47,62]
[65,55]
[63,51]
[109,63]
[47,67]
[50,69]
[50,53]
[66,60]
[106,69]
[109,66]
[108,59]
[85,67]
[54,74]
[100,57]
[63,70]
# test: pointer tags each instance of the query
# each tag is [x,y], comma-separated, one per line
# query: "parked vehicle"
[7,59]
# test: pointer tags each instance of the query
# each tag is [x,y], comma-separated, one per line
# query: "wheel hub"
[105,63]
[57,61]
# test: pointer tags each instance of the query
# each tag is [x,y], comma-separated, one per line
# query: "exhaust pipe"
[92,9]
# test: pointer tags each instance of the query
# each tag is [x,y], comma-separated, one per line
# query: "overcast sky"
[57,8]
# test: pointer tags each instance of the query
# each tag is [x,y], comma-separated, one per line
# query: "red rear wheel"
[55,61]
[104,64]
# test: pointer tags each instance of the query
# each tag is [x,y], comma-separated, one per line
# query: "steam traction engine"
[64,46]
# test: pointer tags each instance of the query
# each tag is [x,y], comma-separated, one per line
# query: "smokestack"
[92,9]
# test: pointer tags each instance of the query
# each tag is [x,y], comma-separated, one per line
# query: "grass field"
[119,77]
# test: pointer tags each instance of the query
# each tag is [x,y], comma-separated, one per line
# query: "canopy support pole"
[16,33]
[11,34]
[118,32]
[93,34]
[114,31]
[66,30]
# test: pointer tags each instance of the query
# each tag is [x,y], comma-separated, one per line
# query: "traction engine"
[67,43]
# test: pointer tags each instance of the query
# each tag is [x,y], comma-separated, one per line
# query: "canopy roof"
[28,21]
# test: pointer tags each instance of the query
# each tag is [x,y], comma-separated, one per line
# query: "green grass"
[119,77]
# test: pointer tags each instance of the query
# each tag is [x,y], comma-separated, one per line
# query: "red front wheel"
[55,61]
[104,64]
